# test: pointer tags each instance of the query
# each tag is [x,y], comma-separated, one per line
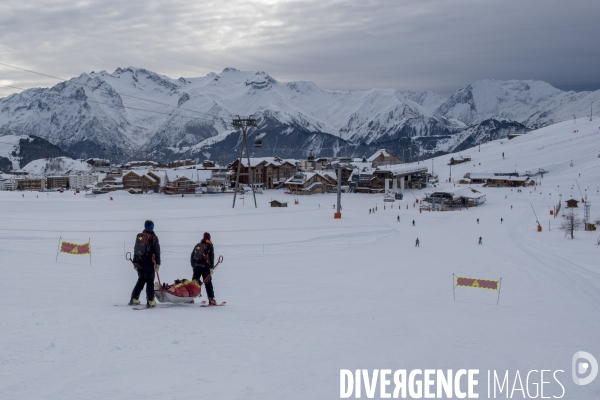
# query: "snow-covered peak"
[133,107]
[535,103]
[230,70]
[430,100]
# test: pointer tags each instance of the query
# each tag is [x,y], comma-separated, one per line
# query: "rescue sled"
[181,291]
[166,297]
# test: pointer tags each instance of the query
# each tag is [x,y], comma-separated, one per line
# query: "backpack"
[200,255]
[143,246]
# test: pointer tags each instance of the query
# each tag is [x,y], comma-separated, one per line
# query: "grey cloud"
[404,44]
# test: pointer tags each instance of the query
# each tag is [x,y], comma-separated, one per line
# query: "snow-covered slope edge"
[17,150]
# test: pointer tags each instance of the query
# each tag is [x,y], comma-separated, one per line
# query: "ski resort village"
[469,272]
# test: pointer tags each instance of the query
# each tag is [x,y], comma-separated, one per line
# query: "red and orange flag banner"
[75,249]
[477,283]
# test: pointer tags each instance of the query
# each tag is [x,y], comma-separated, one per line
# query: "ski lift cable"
[93,101]
[120,94]
[579,188]
[537,221]
[108,151]
[109,105]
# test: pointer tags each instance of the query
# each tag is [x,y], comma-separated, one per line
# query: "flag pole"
[453,292]
[57,250]
[499,286]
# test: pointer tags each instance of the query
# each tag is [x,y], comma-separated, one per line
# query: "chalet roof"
[116,179]
[276,161]
[140,162]
[404,169]
[301,177]
[328,174]
[174,174]
[512,178]
[144,172]
[439,193]
[362,165]
[380,152]
[482,175]
[364,174]
[469,193]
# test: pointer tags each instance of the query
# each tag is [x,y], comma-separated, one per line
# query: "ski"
[150,308]
[165,305]
[128,305]
[205,304]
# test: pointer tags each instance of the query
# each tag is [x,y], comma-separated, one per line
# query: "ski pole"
[128,257]
[215,267]
[158,276]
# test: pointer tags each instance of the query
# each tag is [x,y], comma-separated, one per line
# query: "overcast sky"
[348,45]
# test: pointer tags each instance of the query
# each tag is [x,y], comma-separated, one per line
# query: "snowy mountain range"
[122,114]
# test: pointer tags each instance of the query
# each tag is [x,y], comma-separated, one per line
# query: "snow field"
[326,294]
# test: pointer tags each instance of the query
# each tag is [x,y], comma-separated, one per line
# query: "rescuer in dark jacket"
[202,261]
[147,261]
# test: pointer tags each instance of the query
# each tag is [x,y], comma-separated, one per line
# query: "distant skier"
[413,222]
[503,155]
[203,262]
[477,220]
[417,242]
[398,218]
[369,211]
[146,259]
[501,220]
[480,242]
[511,207]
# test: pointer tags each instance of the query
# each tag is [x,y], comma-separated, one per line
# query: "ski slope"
[307,295]
[10,144]
[56,166]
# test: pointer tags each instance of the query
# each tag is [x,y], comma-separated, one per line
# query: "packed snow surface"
[307,294]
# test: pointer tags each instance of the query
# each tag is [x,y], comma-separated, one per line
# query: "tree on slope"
[571,222]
